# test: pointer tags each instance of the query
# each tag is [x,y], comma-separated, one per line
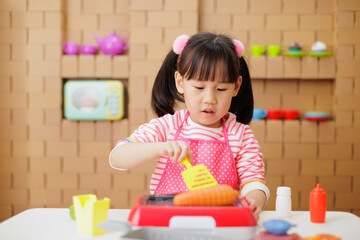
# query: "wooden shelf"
[94,66]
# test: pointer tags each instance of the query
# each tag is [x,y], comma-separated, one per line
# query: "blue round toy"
[277,226]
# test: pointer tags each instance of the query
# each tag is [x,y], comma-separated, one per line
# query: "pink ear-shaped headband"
[239,46]
[181,41]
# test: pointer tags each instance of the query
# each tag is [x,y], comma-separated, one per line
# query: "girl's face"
[207,101]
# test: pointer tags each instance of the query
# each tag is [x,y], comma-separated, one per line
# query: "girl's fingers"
[185,152]
[253,208]
[178,151]
[182,155]
[190,156]
[182,150]
[176,156]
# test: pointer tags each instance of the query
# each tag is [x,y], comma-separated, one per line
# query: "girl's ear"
[237,86]
[179,82]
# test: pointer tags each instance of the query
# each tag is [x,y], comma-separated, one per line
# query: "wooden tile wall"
[45,159]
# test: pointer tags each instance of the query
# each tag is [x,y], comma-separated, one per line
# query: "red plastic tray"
[146,212]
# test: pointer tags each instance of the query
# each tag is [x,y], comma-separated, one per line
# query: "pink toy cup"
[70,48]
[88,49]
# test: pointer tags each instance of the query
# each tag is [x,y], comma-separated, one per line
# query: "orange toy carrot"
[212,196]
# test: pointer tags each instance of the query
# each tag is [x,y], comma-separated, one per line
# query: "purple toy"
[113,45]
[88,49]
[70,48]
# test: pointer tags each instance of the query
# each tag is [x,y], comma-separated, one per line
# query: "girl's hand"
[256,210]
[257,200]
[176,151]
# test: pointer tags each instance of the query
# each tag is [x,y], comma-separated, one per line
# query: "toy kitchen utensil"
[112,44]
[317,205]
[274,114]
[317,116]
[259,114]
[70,48]
[295,50]
[224,221]
[319,50]
[277,226]
[283,202]
[273,50]
[257,50]
[93,100]
[265,235]
[197,177]
[88,49]
[90,212]
[152,233]
[219,195]
[291,114]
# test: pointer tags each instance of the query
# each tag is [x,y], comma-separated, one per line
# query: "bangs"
[208,69]
[209,63]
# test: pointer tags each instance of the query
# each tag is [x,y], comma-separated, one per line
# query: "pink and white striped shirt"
[245,147]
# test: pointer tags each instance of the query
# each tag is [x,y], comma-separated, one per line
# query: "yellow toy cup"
[257,50]
[90,212]
[273,50]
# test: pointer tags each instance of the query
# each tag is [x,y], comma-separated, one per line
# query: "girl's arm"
[130,155]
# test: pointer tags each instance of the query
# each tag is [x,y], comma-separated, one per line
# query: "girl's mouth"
[208,111]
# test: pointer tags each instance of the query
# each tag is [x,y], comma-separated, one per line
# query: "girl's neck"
[218,125]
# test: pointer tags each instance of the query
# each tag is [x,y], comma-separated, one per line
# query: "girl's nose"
[210,97]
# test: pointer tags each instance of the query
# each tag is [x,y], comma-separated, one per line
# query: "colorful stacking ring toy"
[317,116]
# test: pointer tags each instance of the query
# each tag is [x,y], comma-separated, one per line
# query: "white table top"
[55,223]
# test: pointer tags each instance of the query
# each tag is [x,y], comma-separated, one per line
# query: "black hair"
[205,56]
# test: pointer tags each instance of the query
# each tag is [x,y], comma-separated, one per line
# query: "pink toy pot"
[113,45]
[88,49]
[70,48]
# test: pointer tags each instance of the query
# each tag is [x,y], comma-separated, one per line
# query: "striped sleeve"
[249,164]
[154,131]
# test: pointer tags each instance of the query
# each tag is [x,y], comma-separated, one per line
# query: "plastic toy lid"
[283,191]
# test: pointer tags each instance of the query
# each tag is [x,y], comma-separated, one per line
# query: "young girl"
[208,73]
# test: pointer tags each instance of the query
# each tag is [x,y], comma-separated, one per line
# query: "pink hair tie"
[239,46]
[180,43]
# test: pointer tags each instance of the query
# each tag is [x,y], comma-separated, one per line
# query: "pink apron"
[216,155]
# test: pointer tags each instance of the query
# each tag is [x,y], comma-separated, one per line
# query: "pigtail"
[242,105]
[164,92]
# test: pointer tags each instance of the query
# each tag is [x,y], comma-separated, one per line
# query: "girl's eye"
[199,88]
[221,89]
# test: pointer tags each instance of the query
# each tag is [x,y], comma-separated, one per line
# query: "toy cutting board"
[197,177]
